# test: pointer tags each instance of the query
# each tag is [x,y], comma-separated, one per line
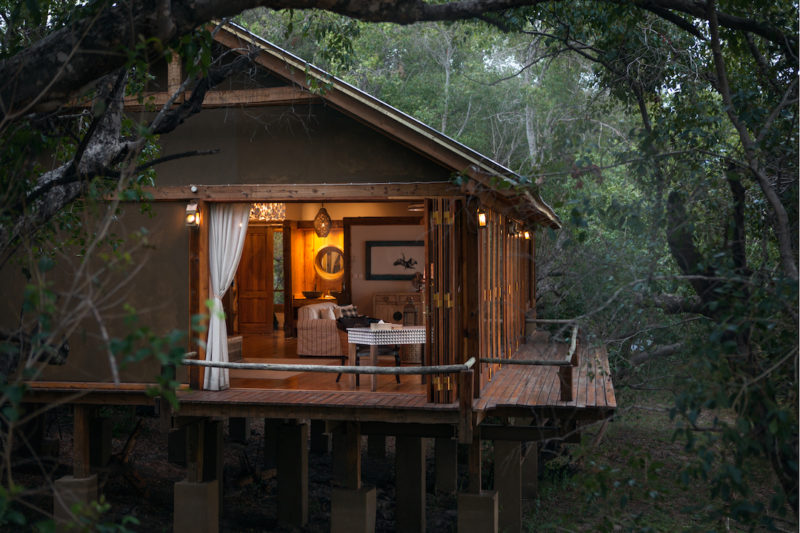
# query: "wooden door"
[254,281]
[445,294]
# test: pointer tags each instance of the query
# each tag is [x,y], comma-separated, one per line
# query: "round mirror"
[329,263]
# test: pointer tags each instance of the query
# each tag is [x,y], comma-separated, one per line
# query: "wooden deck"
[518,390]
[515,391]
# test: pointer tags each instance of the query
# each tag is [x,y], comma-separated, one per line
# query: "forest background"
[665,137]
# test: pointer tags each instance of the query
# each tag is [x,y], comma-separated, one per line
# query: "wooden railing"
[464,371]
[565,373]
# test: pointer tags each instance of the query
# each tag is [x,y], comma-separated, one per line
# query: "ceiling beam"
[342,192]
[230,98]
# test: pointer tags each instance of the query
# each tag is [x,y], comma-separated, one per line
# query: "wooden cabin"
[422,231]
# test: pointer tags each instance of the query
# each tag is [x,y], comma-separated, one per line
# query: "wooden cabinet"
[391,307]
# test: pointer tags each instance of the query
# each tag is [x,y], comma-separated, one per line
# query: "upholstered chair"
[317,334]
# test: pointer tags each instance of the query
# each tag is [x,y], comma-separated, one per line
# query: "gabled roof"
[495,185]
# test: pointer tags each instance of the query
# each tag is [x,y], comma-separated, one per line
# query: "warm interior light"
[267,211]
[527,235]
[192,214]
[322,223]
[481,218]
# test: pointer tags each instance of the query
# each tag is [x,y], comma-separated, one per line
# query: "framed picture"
[394,259]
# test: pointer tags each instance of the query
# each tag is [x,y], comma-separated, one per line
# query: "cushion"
[348,311]
[354,322]
[326,313]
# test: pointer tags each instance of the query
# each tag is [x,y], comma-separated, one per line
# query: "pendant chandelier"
[322,223]
[267,212]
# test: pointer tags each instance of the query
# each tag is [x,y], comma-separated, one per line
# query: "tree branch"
[53,70]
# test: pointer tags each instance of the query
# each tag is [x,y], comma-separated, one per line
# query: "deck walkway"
[515,390]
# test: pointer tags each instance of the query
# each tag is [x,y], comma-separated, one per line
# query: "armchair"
[317,334]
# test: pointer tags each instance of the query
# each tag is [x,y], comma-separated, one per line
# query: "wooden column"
[239,429]
[293,473]
[198,499]
[446,465]
[271,442]
[320,440]
[410,484]
[530,471]
[195,451]
[508,484]
[212,455]
[474,464]
[347,455]
[376,446]
[81,441]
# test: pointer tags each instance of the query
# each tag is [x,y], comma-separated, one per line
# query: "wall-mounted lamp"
[527,235]
[481,218]
[192,214]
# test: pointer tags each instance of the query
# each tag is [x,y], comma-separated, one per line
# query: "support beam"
[376,446]
[347,455]
[99,442]
[446,465]
[271,426]
[239,429]
[410,484]
[213,461]
[81,439]
[297,192]
[508,484]
[530,471]
[293,473]
[195,451]
[474,464]
[320,440]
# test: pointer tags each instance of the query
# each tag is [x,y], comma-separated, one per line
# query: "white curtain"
[227,227]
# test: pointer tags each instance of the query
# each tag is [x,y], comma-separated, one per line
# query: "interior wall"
[305,245]
[340,210]
[363,289]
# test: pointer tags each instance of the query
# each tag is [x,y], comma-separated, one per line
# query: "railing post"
[465,406]
[194,372]
[566,373]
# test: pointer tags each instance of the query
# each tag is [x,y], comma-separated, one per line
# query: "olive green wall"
[302,144]
[155,283]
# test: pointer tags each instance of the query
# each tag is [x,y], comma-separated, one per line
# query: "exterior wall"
[159,292]
[301,144]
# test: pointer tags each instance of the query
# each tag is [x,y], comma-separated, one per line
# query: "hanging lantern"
[322,223]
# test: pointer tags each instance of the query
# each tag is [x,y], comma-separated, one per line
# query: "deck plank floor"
[515,390]
[526,387]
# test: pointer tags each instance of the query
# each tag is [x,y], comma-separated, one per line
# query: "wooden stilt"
[410,484]
[508,484]
[81,441]
[293,473]
[446,465]
[347,455]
